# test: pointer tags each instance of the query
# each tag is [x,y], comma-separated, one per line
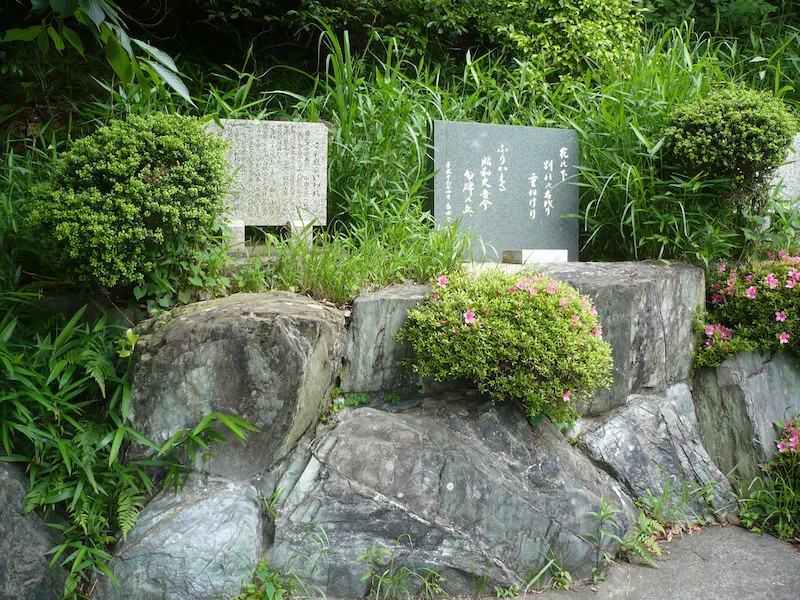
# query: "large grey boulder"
[647,313]
[374,359]
[653,447]
[270,359]
[463,487]
[737,405]
[200,543]
[25,571]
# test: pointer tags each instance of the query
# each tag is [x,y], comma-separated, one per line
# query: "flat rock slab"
[718,563]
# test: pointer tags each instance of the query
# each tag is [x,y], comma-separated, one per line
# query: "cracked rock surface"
[460,485]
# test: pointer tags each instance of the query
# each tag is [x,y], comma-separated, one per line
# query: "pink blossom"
[790,283]
[710,342]
[469,317]
[722,267]
[771,281]
[749,277]
[436,296]
[521,285]
[783,446]
[532,291]
[733,272]
[784,337]
[716,287]
[710,330]
[513,289]
[442,281]
[730,291]
[576,319]
[769,254]
[717,298]
[567,396]
[782,254]
[552,287]
[780,316]
[564,302]
[731,282]
[597,332]
[751,292]
[593,310]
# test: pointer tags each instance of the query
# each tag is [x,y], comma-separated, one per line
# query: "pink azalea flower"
[710,330]
[783,446]
[749,277]
[784,337]
[576,319]
[790,283]
[751,292]
[782,254]
[771,281]
[717,298]
[593,310]
[597,332]
[521,285]
[716,287]
[436,296]
[780,316]
[564,302]
[532,291]
[442,281]
[710,342]
[730,291]
[567,396]
[552,287]
[469,317]
[513,289]
[722,267]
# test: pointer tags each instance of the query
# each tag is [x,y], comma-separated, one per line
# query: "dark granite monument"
[511,185]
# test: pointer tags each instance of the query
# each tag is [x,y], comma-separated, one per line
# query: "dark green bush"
[719,16]
[735,134]
[128,196]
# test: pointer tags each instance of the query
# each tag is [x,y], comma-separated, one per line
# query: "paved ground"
[717,563]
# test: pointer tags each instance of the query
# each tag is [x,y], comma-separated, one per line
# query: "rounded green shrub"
[128,196]
[519,336]
[734,133]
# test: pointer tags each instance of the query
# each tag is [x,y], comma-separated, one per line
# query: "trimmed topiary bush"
[519,336]
[129,196]
[736,134]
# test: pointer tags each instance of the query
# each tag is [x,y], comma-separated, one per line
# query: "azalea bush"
[521,336]
[775,505]
[754,306]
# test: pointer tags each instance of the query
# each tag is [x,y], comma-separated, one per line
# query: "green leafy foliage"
[723,16]
[734,134]
[389,580]
[575,35]
[774,503]
[519,336]
[754,305]
[129,196]
[64,400]
[131,59]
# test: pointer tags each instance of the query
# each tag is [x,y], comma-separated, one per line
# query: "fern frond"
[129,505]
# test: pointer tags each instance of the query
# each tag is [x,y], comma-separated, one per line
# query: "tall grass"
[633,206]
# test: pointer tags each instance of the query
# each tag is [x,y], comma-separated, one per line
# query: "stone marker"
[788,175]
[511,185]
[281,173]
